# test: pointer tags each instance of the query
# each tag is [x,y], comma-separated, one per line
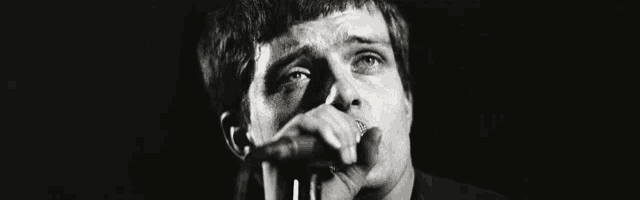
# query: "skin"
[325,90]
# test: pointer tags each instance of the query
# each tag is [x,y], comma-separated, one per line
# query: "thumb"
[368,148]
[354,176]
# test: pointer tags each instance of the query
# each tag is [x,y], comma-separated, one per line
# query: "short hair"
[226,49]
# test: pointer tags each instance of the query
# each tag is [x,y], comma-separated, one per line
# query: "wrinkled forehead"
[329,31]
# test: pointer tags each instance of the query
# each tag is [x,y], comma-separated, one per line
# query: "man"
[288,69]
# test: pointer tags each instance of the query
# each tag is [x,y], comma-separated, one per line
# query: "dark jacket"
[429,187]
[425,187]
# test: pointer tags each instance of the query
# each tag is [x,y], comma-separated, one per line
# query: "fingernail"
[332,140]
[377,135]
[346,156]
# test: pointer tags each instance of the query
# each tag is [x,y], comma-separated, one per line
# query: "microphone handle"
[306,183]
[303,159]
[298,159]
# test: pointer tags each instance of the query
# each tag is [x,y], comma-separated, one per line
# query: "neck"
[401,189]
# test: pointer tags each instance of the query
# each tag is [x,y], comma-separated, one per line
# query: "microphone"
[299,147]
[282,151]
[289,148]
[314,153]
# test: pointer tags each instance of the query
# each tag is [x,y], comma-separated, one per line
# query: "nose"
[342,93]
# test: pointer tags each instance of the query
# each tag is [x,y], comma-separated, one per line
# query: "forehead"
[328,32]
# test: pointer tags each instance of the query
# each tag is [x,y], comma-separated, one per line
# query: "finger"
[348,129]
[346,153]
[369,148]
[309,124]
[290,129]
[346,156]
[320,127]
[353,177]
[347,124]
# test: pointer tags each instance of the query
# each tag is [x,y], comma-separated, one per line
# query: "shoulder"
[427,186]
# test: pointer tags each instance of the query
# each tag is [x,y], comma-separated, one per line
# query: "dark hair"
[226,49]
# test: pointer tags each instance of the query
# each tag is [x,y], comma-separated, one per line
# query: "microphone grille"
[362,127]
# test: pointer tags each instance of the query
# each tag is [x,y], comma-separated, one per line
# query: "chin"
[388,172]
[378,177]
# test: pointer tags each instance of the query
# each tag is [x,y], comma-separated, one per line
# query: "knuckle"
[314,113]
[351,186]
[290,128]
[325,107]
[326,130]
[300,117]
[304,118]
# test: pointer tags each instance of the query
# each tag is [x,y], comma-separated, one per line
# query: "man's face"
[363,70]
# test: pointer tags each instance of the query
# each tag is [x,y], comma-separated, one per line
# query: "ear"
[236,137]
[408,104]
[408,107]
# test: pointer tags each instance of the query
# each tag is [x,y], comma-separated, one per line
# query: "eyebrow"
[288,57]
[350,39]
[282,61]
[364,40]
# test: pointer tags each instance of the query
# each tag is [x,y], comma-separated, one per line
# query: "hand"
[339,132]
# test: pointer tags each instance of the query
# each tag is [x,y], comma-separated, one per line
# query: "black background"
[108,101]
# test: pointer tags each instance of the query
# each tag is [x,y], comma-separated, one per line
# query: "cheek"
[388,105]
[285,106]
[261,116]
[269,114]
[290,98]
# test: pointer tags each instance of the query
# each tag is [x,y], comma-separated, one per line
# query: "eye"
[294,76]
[369,60]
[368,64]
